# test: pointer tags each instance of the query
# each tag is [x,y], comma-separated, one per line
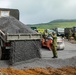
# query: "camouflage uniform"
[70,35]
[54,46]
[45,35]
[75,36]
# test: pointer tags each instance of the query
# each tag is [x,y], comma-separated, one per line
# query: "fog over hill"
[56,21]
[63,20]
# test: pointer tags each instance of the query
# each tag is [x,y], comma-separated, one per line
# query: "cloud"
[5,3]
[39,11]
[29,7]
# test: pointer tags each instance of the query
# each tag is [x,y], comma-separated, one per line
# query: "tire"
[0,53]
[62,49]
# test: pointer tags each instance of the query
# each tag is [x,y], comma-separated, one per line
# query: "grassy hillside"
[54,24]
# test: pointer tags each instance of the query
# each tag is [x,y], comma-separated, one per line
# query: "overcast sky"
[42,11]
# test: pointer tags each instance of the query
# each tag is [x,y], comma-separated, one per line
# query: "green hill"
[56,23]
[63,20]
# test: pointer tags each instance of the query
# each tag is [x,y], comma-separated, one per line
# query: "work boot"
[55,57]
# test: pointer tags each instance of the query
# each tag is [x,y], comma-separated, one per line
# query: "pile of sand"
[41,71]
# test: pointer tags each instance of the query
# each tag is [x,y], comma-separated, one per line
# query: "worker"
[75,36]
[54,45]
[70,35]
[45,34]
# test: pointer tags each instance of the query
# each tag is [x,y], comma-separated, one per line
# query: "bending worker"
[54,45]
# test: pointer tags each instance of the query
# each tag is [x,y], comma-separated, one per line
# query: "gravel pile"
[20,50]
[24,50]
[42,63]
[12,25]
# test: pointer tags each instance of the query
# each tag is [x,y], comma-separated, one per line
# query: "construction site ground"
[46,65]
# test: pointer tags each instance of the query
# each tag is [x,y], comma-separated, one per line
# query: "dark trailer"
[9,12]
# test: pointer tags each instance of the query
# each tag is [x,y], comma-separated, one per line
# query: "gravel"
[20,50]
[26,54]
[12,25]
[24,50]
[42,63]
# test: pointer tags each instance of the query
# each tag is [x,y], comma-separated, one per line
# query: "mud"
[41,71]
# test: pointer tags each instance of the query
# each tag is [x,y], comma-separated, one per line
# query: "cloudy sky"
[42,11]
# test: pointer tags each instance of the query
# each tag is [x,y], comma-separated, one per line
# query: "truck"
[18,42]
[9,12]
[66,32]
[74,30]
[60,31]
[7,39]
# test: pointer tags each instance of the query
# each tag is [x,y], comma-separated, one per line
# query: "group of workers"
[54,43]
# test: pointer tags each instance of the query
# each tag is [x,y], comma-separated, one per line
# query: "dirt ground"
[41,71]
